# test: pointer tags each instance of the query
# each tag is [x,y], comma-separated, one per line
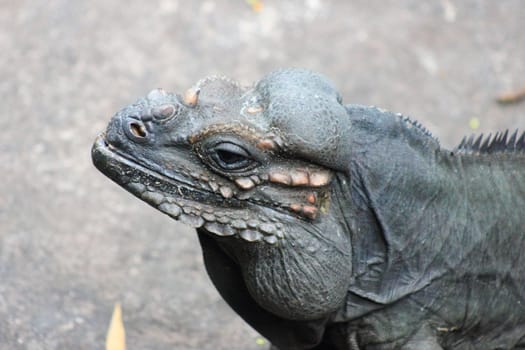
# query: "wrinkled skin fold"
[333,226]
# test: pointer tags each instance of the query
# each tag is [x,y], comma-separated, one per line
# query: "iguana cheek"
[310,177]
[245,183]
[302,190]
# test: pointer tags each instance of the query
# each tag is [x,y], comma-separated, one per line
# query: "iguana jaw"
[129,173]
[182,201]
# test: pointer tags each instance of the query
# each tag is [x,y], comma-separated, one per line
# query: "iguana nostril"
[138,130]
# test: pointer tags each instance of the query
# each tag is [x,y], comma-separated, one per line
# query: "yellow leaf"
[260,341]
[474,123]
[116,338]
[257,5]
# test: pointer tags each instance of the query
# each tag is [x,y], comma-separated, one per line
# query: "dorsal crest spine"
[415,124]
[499,143]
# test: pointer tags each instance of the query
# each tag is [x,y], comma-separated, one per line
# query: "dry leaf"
[474,123]
[116,338]
[511,97]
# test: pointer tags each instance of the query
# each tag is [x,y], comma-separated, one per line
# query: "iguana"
[332,226]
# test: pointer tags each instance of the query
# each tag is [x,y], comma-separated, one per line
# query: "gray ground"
[72,243]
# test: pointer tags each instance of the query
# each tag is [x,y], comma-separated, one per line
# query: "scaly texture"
[332,226]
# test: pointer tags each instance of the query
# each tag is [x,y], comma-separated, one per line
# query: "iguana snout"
[139,122]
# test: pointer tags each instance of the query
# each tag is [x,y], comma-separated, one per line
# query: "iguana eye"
[231,157]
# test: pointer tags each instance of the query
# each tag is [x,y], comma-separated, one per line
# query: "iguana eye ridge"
[231,157]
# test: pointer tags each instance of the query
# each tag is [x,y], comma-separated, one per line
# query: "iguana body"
[328,226]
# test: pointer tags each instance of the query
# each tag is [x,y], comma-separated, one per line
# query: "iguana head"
[249,165]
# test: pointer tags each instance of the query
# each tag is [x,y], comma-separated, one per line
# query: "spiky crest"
[414,124]
[498,143]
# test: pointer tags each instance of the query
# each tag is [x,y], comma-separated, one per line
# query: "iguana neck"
[404,185]
[397,185]
[490,189]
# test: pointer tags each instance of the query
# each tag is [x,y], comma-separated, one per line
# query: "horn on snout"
[191,97]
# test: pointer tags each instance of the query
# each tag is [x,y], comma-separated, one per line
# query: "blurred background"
[72,243]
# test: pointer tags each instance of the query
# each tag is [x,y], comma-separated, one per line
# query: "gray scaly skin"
[331,226]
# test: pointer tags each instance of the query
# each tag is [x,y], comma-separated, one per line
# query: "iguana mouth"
[177,198]
[128,172]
